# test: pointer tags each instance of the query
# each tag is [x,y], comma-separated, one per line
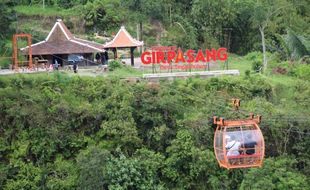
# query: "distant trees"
[104,15]
[213,18]
[7,17]
[60,3]
[263,16]
[150,9]
[241,26]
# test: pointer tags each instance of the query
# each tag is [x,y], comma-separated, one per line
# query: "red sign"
[166,55]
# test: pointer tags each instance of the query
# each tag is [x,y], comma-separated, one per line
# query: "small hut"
[123,40]
[60,45]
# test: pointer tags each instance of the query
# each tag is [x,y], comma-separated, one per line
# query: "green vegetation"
[5,21]
[238,25]
[48,11]
[113,65]
[125,71]
[241,26]
[61,132]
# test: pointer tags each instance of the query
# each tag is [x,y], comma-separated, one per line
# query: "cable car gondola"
[239,143]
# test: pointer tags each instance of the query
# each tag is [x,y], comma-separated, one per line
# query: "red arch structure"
[15,50]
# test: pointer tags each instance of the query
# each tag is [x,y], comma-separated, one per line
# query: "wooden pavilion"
[60,44]
[123,40]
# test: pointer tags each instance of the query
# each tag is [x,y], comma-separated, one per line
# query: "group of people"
[56,66]
[235,147]
[102,58]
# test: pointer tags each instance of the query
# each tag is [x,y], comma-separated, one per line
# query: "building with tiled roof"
[123,40]
[60,44]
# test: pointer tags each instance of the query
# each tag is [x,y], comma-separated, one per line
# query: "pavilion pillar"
[132,49]
[115,53]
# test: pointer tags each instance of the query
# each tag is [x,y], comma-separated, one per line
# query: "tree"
[263,16]
[151,9]
[120,129]
[7,17]
[186,166]
[65,3]
[138,172]
[295,46]
[91,163]
[102,15]
[63,175]
[27,176]
[181,33]
[276,174]
[212,17]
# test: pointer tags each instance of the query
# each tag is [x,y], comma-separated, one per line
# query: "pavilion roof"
[122,40]
[61,41]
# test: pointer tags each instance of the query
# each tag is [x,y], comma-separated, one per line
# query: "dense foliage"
[7,16]
[243,26]
[237,25]
[60,132]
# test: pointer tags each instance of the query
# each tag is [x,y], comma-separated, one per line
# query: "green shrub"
[247,73]
[256,60]
[113,65]
[253,56]
[5,63]
[257,65]
[302,71]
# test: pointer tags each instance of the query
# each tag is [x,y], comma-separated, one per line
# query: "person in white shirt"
[232,146]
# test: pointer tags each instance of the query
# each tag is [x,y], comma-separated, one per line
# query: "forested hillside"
[63,132]
[60,132]
[236,24]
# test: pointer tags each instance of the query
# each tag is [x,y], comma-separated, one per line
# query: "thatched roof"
[61,41]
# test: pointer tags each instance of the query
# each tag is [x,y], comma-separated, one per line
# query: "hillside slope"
[61,132]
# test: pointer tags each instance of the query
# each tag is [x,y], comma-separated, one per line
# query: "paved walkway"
[201,74]
[21,71]
[95,71]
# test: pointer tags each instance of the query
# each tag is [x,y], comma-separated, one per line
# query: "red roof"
[61,41]
[123,39]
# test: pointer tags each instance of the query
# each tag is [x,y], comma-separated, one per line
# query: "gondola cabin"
[239,143]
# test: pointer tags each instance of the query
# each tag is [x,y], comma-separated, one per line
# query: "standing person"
[106,55]
[98,58]
[50,68]
[103,59]
[56,65]
[75,66]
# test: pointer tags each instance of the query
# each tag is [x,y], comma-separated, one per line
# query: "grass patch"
[5,63]
[47,11]
[240,63]
[35,27]
[125,71]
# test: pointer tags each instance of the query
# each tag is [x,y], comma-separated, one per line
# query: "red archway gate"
[15,50]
